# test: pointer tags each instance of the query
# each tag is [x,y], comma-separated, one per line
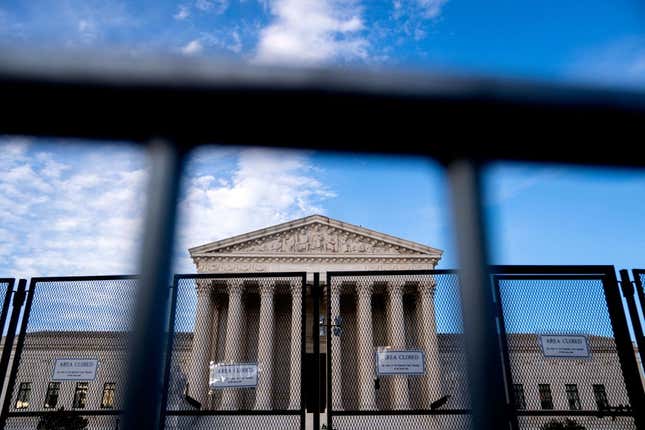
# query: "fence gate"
[567,353]
[73,330]
[395,351]
[237,350]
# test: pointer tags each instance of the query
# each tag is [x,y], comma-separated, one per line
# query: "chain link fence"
[71,355]
[396,354]
[563,362]
[237,352]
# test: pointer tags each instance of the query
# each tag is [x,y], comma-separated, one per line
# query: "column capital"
[266,288]
[364,288]
[235,286]
[336,288]
[203,287]
[427,288]
[395,287]
[296,288]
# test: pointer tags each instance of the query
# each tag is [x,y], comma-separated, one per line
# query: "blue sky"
[69,209]
[73,209]
[595,40]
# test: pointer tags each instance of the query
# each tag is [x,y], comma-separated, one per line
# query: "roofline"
[308,220]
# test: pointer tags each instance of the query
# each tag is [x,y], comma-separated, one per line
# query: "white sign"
[75,369]
[400,362]
[237,375]
[564,345]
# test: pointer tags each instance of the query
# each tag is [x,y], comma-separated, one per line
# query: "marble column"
[367,395]
[396,322]
[214,340]
[336,358]
[265,347]
[296,345]
[428,326]
[199,359]
[234,320]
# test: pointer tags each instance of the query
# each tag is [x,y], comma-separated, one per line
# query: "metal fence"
[566,348]
[248,326]
[375,316]
[71,354]
[71,350]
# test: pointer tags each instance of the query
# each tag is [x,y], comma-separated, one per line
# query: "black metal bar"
[168,98]
[303,351]
[73,412]
[401,412]
[18,298]
[18,301]
[315,295]
[3,316]
[5,303]
[329,352]
[390,272]
[639,291]
[574,270]
[565,413]
[169,345]
[506,360]
[145,372]
[244,412]
[82,278]
[486,377]
[624,347]
[628,292]
[540,277]
[239,275]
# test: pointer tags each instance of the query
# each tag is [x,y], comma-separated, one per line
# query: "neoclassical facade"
[245,318]
[311,244]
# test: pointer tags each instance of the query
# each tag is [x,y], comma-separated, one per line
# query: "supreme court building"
[247,311]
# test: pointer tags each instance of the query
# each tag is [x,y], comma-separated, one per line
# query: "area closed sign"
[75,369]
[235,375]
[400,362]
[564,346]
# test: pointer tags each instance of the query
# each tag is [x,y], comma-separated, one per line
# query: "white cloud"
[217,6]
[86,216]
[266,187]
[236,43]
[69,209]
[508,182]
[431,8]
[311,32]
[620,62]
[183,12]
[192,47]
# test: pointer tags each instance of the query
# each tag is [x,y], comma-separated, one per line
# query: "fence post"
[628,292]
[316,341]
[488,396]
[18,300]
[624,346]
[169,346]
[145,366]
[504,351]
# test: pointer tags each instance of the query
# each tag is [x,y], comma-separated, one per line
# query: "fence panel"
[565,354]
[395,351]
[71,355]
[237,352]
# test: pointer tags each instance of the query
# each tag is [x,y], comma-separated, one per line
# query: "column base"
[368,407]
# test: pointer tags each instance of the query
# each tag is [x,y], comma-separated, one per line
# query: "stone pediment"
[315,235]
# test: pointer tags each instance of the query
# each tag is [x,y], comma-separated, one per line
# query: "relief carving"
[317,239]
